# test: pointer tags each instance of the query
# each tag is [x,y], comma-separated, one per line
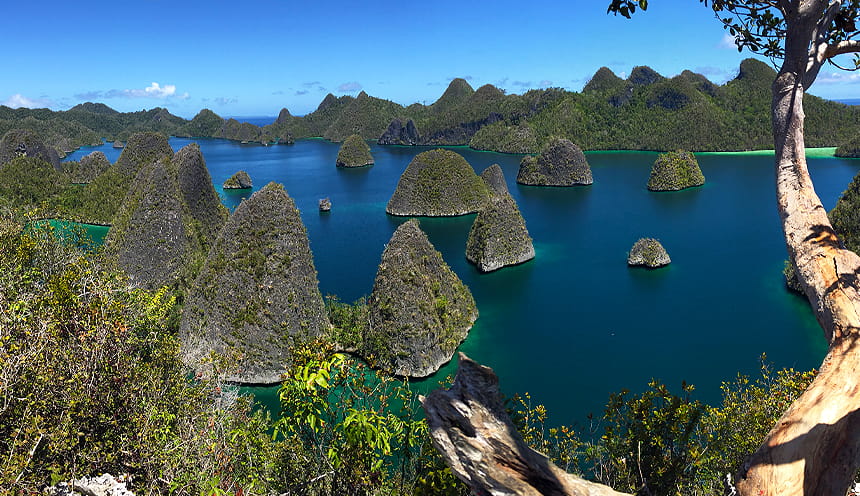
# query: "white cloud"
[837,77]
[154,90]
[727,42]
[18,100]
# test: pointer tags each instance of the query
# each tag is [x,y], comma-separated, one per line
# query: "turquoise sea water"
[576,323]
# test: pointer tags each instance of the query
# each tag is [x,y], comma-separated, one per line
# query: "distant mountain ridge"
[646,111]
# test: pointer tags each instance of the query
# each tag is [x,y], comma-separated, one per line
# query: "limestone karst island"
[339,251]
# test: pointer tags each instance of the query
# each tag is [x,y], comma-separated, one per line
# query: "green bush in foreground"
[90,382]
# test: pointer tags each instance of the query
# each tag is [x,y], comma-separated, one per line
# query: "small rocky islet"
[239,180]
[674,171]
[559,163]
[420,311]
[438,183]
[354,152]
[648,252]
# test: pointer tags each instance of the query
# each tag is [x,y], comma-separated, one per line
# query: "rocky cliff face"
[87,169]
[257,291]
[438,183]
[23,142]
[354,152]
[147,236]
[648,252]
[560,163]
[239,180]
[494,178]
[199,197]
[499,237]
[675,171]
[420,311]
[142,149]
[398,134]
[169,217]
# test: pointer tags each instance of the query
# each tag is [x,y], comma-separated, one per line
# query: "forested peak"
[458,91]
[642,75]
[756,70]
[283,115]
[602,80]
[327,102]
[488,91]
[93,108]
[205,114]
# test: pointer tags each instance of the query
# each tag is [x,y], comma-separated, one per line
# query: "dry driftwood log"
[472,431]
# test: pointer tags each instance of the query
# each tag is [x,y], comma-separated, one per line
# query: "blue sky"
[253,58]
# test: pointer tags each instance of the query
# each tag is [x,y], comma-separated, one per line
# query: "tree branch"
[841,48]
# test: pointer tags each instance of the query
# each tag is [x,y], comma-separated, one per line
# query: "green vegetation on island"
[239,180]
[438,183]
[257,293]
[420,311]
[674,171]
[87,169]
[849,149]
[648,252]
[646,111]
[845,216]
[559,163]
[354,152]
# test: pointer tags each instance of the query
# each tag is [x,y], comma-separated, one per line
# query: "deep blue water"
[576,323]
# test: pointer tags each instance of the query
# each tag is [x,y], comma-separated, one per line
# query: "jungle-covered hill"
[646,111]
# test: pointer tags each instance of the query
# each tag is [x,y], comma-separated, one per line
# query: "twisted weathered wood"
[472,431]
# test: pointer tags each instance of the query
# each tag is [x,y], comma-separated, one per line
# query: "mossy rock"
[257,292]
[560,163]
[420,311]
[648,252]
[26,143]
[438,183]
[495,179]
[168,219]
[142,149]
[354,152]
[239,180]
[674,171]
[499,237]
[89,167]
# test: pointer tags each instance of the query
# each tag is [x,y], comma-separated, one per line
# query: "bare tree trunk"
[815,446]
